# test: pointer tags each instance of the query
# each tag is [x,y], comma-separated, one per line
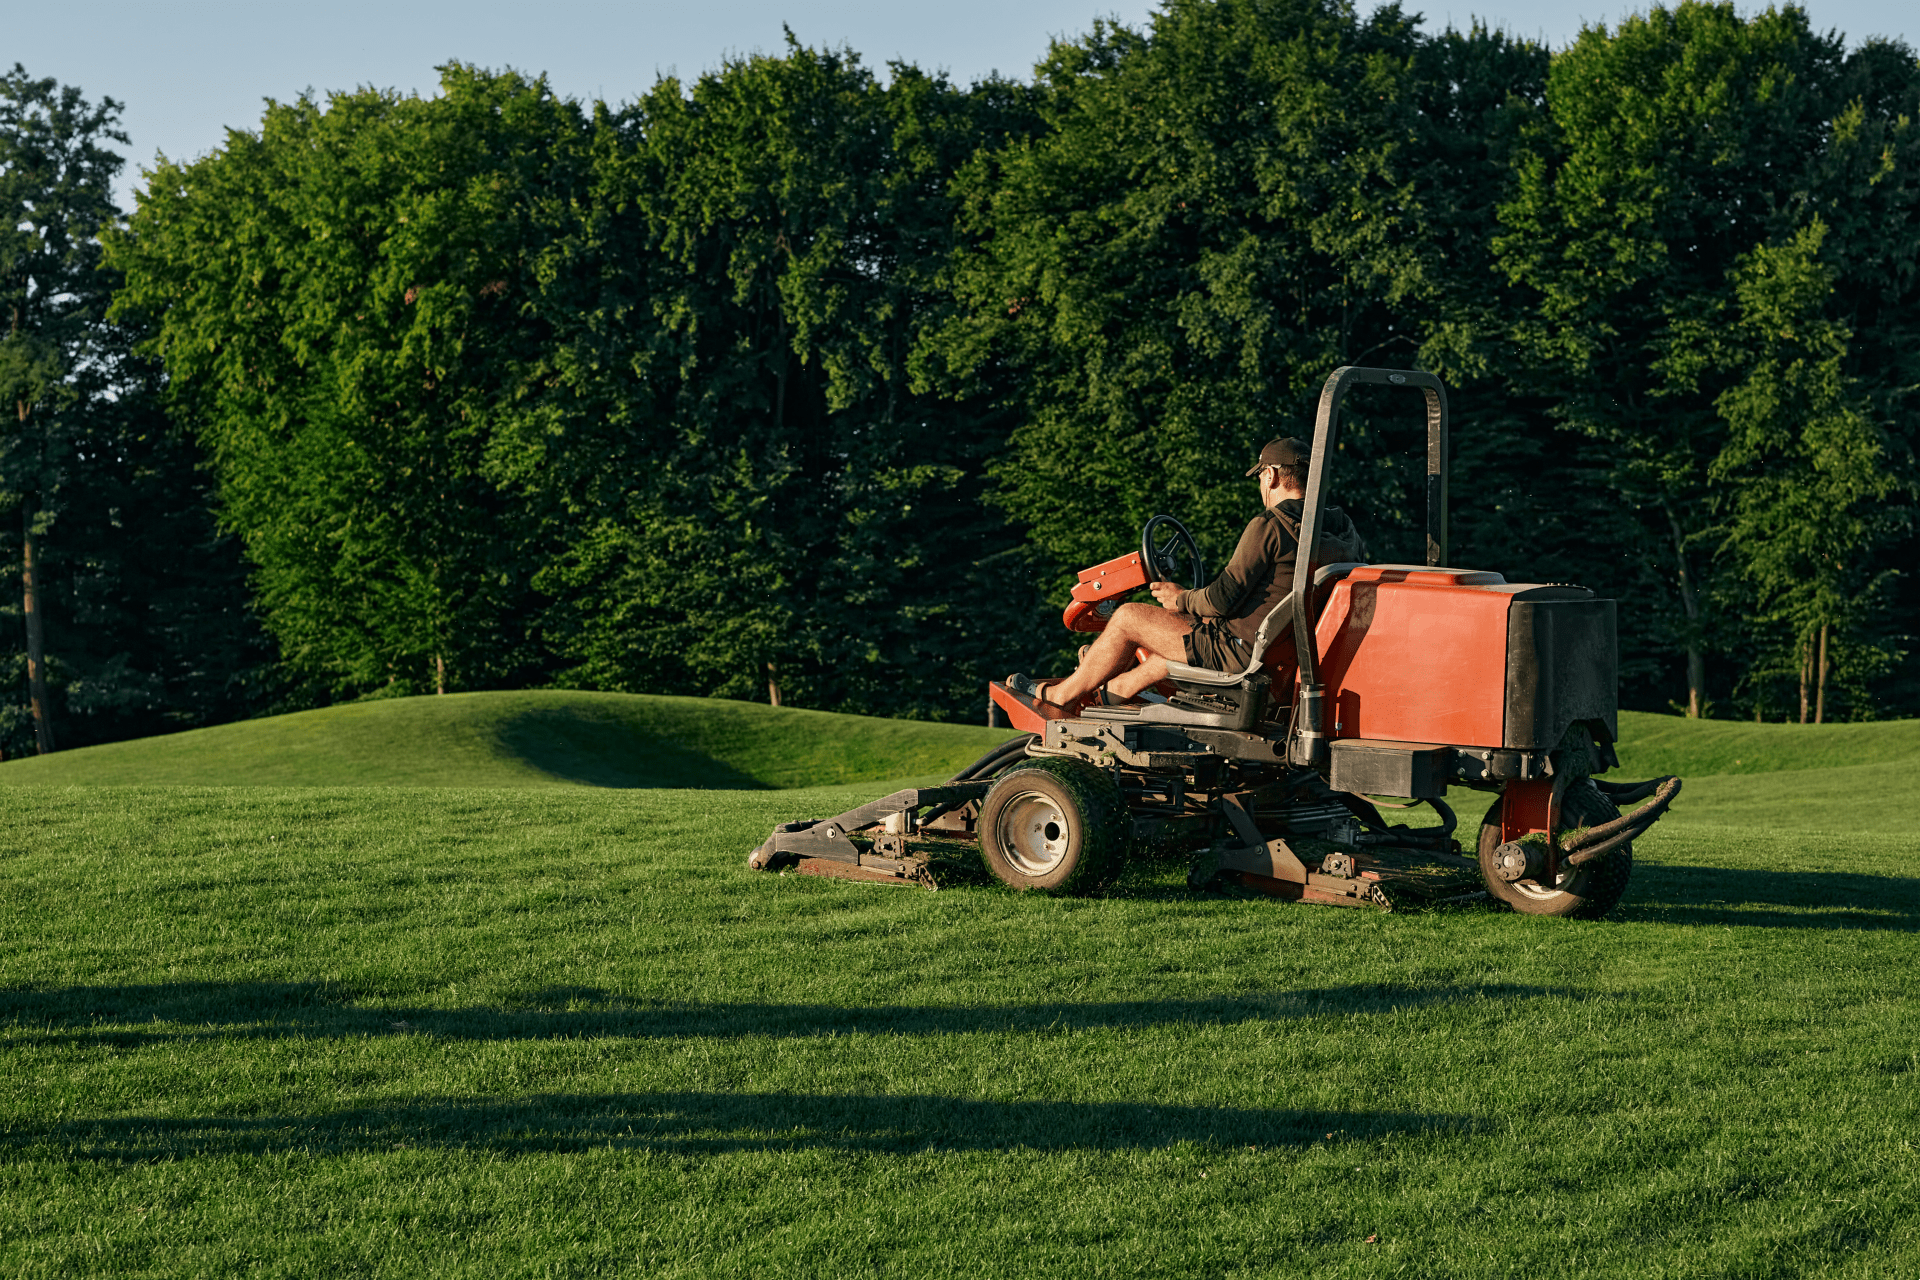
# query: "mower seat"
[1266,644]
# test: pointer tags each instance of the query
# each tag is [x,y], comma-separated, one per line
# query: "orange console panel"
[1424,655]
[1100,590]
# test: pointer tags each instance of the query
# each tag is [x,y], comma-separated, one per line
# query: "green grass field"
[446,1010]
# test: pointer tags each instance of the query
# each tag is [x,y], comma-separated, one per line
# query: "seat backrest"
[1274,641]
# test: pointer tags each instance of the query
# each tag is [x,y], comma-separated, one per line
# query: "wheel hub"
[1033,833]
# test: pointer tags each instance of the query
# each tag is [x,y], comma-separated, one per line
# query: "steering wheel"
[1167,550]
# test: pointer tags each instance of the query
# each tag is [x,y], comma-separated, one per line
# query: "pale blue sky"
[186,69]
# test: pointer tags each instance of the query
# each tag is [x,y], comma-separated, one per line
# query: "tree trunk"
[1806,673]
[439,674]
[1820,687]
[1696,657]
[36,629]
[773,687]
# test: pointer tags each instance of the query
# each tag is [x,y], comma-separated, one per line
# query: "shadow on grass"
[181,1011]
[718,1123]
[1672,894]
[598,751]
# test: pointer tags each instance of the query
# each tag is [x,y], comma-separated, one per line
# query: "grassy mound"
[557,738]
[1653,744]
[529,739]
[1763,777]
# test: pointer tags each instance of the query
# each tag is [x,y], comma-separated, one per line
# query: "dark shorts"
[1212,646]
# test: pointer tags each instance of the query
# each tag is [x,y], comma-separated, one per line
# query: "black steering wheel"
[1167,550]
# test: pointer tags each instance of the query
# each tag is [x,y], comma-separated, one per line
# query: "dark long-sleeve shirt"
[1261,571]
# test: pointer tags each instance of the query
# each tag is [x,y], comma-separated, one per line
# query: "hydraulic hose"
[1627,792]
[987,765]
[1363,809]
[1609,837]
[996,756]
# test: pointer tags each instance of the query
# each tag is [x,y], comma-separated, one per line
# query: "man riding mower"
[1214,627]
[1359,683]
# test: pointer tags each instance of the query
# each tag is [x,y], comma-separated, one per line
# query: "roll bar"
[1309,744]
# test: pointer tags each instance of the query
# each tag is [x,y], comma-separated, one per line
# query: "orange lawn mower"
[1369,684]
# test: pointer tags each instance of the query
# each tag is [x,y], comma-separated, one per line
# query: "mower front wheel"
[1586,892]
[1054,824]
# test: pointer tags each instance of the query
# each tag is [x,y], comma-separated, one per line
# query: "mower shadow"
[133,1016]
[698,1124]
[1668,893]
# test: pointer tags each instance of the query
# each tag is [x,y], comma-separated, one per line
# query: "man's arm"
[1246,573]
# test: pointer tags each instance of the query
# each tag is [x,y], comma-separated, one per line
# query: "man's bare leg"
[1129,684]
[1132,626]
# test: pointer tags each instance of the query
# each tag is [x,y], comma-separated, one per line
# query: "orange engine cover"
[1420,655]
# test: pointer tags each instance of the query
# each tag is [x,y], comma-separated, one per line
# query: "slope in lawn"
[1653,744]
[529,739]
[1758,777]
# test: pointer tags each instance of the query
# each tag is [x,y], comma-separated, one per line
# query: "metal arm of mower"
[1518,861]
[827,837]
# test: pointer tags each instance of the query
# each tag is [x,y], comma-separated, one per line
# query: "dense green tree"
[1222,210]
[1805,485]
[768,507]
[147,616]
[341,300]
[499,392]
[1531,498]
[1669,151]
[56,175]
[134,616]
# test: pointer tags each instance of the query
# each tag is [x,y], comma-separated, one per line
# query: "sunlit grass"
[562,1031]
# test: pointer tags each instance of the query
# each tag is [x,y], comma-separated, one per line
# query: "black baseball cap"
[1283,451]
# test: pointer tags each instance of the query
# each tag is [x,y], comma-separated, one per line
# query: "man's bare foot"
[1037,690]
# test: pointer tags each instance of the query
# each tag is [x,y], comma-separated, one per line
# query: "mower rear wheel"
[1054,824]
[1583,893]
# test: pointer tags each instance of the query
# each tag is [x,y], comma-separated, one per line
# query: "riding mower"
[1369,685]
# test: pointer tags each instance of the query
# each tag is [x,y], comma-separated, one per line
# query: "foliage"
[56,174]
[770,505]
[340,300]
[148,623]
[1216,214]
[1669,154]
[796,382]
[619,401]
[138,620]
[1804,481]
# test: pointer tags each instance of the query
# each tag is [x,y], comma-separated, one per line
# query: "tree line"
[803,383]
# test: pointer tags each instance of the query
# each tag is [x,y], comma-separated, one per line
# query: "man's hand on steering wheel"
[1168,594]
